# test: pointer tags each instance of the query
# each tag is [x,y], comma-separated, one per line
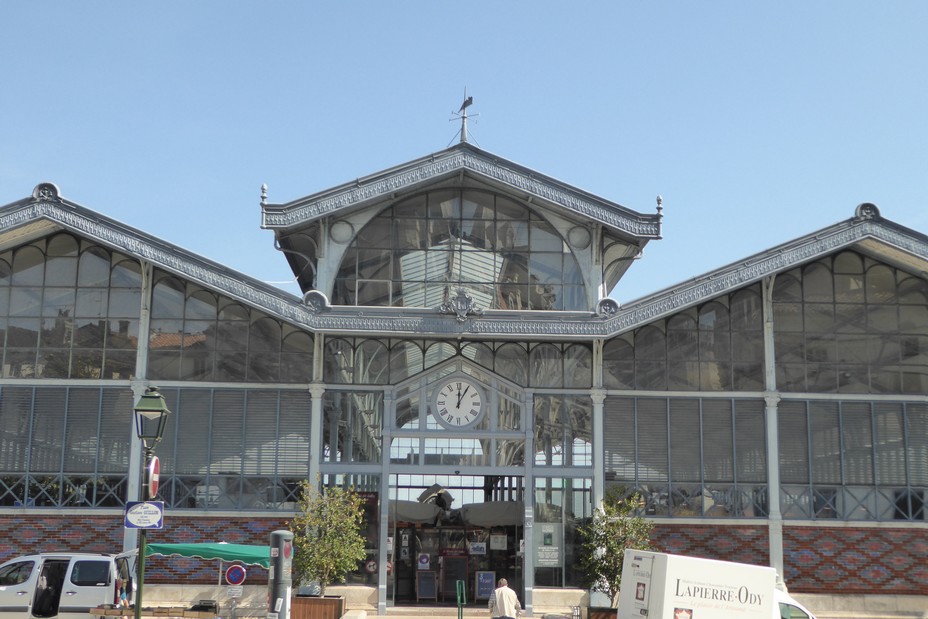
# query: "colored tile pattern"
[856,560]
[817,559]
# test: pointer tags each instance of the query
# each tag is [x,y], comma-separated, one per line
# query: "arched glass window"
[650,358]
[405,360]
[619,364]
[421,251]
[512,363]
[547,366]
[682,352]
[578,366]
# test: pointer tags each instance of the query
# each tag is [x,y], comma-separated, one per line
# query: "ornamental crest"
[460,305]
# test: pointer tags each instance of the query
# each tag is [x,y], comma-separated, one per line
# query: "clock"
[457,402]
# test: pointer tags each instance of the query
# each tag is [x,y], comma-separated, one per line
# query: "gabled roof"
[461,159]
[867,232]
[46,212]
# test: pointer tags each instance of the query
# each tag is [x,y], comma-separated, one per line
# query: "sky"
[757,122]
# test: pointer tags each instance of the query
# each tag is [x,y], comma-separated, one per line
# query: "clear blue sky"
[758,122]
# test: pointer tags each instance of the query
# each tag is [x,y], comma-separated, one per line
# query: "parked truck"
[664,586]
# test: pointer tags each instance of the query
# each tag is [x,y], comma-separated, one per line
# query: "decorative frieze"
[315,313]
[382,186]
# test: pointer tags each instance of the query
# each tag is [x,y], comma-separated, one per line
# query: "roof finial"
[462,113]
[264,194]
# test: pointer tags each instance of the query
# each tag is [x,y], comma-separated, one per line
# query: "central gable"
[461,159]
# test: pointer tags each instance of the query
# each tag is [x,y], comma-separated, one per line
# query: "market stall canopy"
[413,511]
[242,553]
[497,513]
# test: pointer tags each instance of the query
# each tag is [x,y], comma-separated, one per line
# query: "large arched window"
[419,252]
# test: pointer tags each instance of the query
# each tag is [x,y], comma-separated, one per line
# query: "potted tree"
[613,528]
[327,545]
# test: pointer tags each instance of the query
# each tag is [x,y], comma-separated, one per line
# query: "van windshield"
[16,573]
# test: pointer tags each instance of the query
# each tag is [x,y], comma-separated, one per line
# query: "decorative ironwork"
[316,302]
[607,308]
[45,191]
[867,210]
[459,158]
[462,304]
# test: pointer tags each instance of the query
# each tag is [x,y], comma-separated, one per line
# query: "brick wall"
[822,560]
[744,544]
[865,560]
[30,533]
[856,560]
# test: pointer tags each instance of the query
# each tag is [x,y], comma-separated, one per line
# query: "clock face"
[457,403]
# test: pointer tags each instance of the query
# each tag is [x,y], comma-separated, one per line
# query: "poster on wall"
[548,546]
[486,585]
[478,548]
[497,542]
[424,561]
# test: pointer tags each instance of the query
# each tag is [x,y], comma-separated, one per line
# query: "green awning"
[233,553]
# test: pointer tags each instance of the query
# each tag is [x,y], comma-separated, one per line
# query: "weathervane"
[462,114]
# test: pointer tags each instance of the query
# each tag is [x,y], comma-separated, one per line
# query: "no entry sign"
[154,475]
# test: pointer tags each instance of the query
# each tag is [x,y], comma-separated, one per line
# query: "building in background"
[456,357]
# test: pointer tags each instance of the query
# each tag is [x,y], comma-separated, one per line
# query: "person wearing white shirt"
[504,603]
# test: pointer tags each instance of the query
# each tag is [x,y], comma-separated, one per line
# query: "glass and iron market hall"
[457,358]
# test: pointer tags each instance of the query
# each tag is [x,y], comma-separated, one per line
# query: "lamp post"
[151,415]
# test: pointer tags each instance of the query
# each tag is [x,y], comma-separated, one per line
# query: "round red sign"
[235,575]
[154,473]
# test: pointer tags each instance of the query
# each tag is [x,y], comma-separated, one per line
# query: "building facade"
[457,358]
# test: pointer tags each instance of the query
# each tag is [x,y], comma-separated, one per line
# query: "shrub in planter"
[327,537]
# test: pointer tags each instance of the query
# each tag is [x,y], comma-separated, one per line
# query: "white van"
[656,584]
[63,585]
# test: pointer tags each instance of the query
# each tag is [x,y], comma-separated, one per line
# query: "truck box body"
[663,586]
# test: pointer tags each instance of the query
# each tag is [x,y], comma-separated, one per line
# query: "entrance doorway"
[432,559]
[441,550]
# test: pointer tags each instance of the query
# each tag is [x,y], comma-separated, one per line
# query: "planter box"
[601,613]
[315,607]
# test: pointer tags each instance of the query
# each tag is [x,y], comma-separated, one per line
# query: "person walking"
[504,603]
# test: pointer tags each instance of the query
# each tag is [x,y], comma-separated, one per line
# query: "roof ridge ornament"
[867,210]
[462,114]
[316,301]
[462,304]
[607,308]
[46,192]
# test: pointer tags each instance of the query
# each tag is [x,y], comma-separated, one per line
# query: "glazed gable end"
[46,212]
[866,232]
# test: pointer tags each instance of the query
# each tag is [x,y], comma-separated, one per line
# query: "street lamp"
[151,415]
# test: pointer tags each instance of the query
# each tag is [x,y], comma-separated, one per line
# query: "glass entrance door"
[430,560]
[447,529]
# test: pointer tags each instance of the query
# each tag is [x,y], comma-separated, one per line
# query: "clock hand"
[461,395]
